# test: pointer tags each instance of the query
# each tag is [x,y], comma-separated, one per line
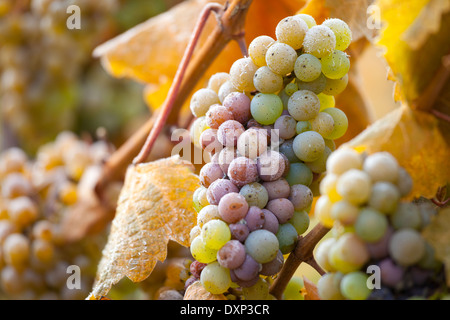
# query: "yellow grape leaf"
[353,12]
[438,235]
[415,37]
[197,292]
[155,206]
[414,138]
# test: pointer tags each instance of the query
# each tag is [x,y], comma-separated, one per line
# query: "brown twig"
[303,252]
[175,87]
[231,23]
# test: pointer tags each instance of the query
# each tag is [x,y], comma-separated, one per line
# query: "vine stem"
[303,252]
[175,87]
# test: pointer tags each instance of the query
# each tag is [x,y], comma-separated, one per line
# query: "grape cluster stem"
[303,252]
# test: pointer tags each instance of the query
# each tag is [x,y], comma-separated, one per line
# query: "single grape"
[209,173]
[277,189]
[266,108]
[216,115]
[371,225]
[300,221]
[354,186]
[352,249]
[262,246]
[319,41]
[243,171]
[328,187]
[329,286]
[290,88]
[343,160]
[218,189]
[341,31]
[258,48]
[282,208]
[404,182]
[238,104]
[215,233]
[291,31]
[407,215]
[226,155]
[317,85]
[270,221]
[252,143]
[217,80]
[215,278]
[333,87]
[225,89]
[266,81]
[323,124]
[287,237]
[322,253]
[391,274]
[209,142]
[326,101]
[280,58]
[258,291]
[248,270]
[286,126]
[380,249]
[303,126]
[241,74]
[304,105]
[254,218]
[197,129]
[301,197]
[384,197]
[293,289]
[206,214]
[231,255]
[255,194]
[335,65]
[229,132]
[344,212]
[354,286]
[22,211]
[232,207]
[307,67]
[340,123]
[271,165]
[381,166]
[16,250]
[286,148]
[307,18]
[239,231]
[309,146]
[319,165]
[299,173]
[201,101]
[322,211]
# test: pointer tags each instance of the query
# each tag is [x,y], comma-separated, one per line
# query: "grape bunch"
[361,200]
[267,127]
[35,197]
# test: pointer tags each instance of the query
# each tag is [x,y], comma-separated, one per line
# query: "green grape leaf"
[154,206]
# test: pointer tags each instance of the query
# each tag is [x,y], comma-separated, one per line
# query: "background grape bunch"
[36,196]
[267,127]
[361,200]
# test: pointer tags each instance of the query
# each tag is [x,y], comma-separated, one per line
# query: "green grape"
[266,81]
[258,48]
[371,225]
[201,101]
[326,101]
[300,221]
[291,31]
[335,65]
[195,199]
[258,291]
[299,173]
[320,165]
[280,58]
[340,123]
[303,126]
[330,144]
[294,289]
[287,237]
[215,278]
[307,18]
[341,31]
[262,245]
[291,88]
[201,252]
[354,286]
[406,247]
[329,286]
[323,124]
[384,197]
[319,41]
[307,68]
[333,87]
[309,146]
[215,233]
[303,105]
[317,86]
[266,108]
[255,194]
[241,74]
[407,215]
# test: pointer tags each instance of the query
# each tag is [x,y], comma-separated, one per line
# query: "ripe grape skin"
[307,68]
[343,160]
[300,196]
[407,215]
[317,86]
[258,48]
[232,207]
[216,115]
[225,157]
[16,250]
[252,143]
[390,273]
[258,291]
[384,197]
[319,165]
[354,186]
[323,124]
[225,89]
[229,132]
[319,41]
[201,101]
[307,18]
[209,173]
[215,278]
[231,255]
[344,212]
[238,104]
[406,247]
[271,166]
[282,208]
[218,189]
[286,126]
[266,81]
[354,286]
[291,31]
[299,173]
[340,123]
[333,87]
[287,237]
[254,218]
[309,146]
[280,58]
[381,166]
[303,105]
[241,74]
[300,220]
[217,80]
[255,194]
[274,266]
[341,31]
[371,225]
[266,108]
[294,288]
[209,142]
[215,233]
[335,65]
[239,231]
[248,270]
[277,189]
[328,286]
[270,221]
[206,214]
[262,246]
[243,171]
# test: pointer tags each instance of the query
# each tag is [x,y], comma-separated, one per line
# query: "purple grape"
[238,104]
[209,173]
[286,126]
[270,221]
[225,157]
[277,189]
[380,249]
[271,166]
[209,141]
[242,171]
[273,267]
[229,132]
[239,231]
[282,208]
[248,269]
[254,218]
[217,115]
[231,255]
[391,274]
[301,196]
[233,207]
[242,283]
[218,189]
[196,268]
